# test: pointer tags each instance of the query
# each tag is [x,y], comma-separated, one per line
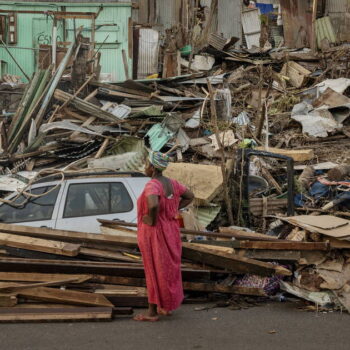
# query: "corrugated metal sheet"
[148,52]
[229,18]
[34,29]
[205,215]
[340,6]
[324,30]
[339,12]
[168,13]
[251,27]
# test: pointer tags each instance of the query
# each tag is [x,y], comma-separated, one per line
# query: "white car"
[78,201]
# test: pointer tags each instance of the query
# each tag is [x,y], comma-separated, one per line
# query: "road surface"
[272,326]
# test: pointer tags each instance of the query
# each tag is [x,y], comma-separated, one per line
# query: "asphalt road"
[272,326]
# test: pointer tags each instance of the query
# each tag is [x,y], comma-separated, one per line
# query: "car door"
[85,201]
[38,211]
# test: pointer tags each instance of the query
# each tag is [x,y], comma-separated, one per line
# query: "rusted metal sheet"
[297,22]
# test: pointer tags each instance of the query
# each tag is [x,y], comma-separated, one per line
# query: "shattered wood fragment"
[296,73]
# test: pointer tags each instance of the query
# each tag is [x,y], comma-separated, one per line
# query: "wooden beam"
[64,296]
[244,235]
[270,255]
[90,267]
[55,314]
[98,253]
[41,277]
[38,244]
[229,262]
[70,236]
[7,300]
[284,245]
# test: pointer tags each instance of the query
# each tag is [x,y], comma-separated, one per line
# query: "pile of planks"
[51,275]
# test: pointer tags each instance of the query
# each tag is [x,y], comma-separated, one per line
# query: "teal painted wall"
[34,29]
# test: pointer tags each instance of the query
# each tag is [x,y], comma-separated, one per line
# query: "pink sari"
[160,246]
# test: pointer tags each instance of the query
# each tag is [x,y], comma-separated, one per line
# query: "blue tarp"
[264,8]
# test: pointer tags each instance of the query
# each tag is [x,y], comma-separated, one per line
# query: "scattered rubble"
[259,130]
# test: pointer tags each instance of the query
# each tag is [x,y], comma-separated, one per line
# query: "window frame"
[109,201]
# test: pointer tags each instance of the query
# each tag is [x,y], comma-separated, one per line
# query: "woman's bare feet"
[150,316]
[164,312]
[145,318]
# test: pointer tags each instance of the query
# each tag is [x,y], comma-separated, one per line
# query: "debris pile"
[52,275]
[259,134]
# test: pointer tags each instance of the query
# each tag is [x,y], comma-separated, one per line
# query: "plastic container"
[186,50]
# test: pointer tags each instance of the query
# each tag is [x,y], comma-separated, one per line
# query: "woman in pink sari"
[159,238]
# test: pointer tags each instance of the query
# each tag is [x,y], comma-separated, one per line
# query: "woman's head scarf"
[159,160]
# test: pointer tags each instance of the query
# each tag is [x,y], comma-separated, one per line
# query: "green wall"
[34,29]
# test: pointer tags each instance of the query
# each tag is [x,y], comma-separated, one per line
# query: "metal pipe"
[54,44]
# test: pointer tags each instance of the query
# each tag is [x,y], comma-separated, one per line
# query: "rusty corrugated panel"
[148,52]
[229,18]
[297,22]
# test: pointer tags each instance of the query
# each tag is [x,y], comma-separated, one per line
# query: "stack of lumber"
[49,274]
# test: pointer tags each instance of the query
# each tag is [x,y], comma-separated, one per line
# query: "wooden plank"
[229,262]
[55,314]
[7,300]
[41,277]
[127,281]
[108,255]
[69,236]
[284,245]
[38,244]
[89,267]
[270,255]
[11,287]
[242,235]
[64,296]
[299,155]
[226,232]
